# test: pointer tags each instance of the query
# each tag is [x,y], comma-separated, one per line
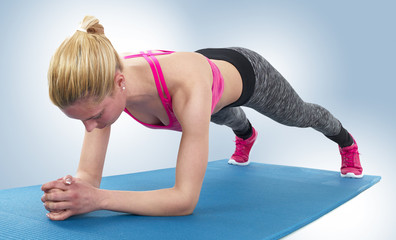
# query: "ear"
[119,81]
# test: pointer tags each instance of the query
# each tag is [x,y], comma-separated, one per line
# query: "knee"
[220,120]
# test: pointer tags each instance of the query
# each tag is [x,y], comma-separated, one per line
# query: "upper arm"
[93,155]
[192,107]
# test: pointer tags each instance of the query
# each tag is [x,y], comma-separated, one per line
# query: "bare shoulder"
[187,64]
[186,70]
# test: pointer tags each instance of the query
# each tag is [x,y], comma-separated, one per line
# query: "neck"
[140,87]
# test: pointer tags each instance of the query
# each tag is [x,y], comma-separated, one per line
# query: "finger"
[55,212]
[54,184]
[47,208]
[50,191]
[56,196]
[57,206]
[52,210]
[60,216]
[68,179]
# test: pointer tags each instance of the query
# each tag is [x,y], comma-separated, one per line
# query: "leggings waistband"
[241,63]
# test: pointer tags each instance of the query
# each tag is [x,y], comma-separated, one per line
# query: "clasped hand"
[68,196]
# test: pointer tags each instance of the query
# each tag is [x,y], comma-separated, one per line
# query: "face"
[97,115]
[103,114]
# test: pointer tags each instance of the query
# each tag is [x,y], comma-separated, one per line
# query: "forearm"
[162,202]
[93,155]
[86,177]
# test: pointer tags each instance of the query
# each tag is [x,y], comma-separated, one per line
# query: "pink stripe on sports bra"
[217,88]
[217,85]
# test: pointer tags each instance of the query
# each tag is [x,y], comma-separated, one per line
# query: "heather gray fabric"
[275,98]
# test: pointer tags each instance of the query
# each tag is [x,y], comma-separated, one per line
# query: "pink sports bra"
[217,88]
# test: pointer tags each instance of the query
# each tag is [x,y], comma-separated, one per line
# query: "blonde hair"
[83,66]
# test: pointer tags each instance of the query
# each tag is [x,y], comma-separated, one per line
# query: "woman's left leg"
[274,97]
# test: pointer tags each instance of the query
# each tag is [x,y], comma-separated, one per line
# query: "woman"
[180,91]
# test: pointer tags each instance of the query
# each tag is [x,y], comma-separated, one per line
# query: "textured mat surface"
[259,201]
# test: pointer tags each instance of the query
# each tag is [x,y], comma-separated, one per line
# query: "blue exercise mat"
[260,201]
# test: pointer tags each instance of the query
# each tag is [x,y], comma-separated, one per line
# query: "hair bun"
[91,25]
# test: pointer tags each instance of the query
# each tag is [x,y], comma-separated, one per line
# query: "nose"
[90,125]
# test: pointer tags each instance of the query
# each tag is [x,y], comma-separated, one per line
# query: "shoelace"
[240,148]
[348,156]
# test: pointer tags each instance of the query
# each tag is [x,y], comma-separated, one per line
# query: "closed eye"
[98,116]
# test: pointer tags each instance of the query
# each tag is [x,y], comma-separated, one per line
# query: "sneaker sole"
[233,162]
[351,175]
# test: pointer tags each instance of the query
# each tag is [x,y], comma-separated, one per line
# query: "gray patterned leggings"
[275,98]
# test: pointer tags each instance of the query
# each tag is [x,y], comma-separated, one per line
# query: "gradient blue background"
[340,54]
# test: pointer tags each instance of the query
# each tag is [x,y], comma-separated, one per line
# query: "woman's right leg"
[235,118]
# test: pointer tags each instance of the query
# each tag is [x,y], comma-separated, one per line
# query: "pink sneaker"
[241,155]
[350,162]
